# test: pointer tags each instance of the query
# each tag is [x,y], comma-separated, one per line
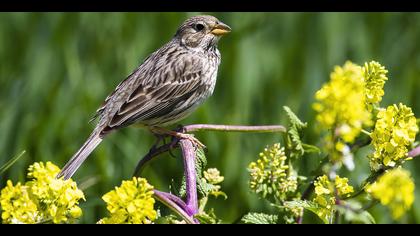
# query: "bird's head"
[201,32]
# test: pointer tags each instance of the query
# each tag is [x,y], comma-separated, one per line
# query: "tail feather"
[80,156]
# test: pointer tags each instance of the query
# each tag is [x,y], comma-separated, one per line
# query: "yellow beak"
[220,29]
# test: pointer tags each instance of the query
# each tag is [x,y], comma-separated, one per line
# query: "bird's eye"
[199,27]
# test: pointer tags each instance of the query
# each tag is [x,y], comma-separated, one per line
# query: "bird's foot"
[178,134]
[191,138]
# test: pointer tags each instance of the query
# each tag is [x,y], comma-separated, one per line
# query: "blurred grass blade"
[12,161]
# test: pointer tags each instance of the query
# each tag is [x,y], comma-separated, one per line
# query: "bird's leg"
[179,135]
[159,138]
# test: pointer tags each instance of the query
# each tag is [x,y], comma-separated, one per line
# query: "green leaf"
[12,161]
[310,148]
[308,205]
[203,188]
[259,218]
[293,119]
[353,212]
[207,218]
[293,132]
[218,193]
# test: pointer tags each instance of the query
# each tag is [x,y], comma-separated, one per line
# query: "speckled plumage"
[170,84]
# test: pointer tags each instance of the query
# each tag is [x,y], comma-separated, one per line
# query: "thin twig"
[415,152]
[234,128]
[153,152]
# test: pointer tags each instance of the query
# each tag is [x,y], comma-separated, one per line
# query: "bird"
[165,88]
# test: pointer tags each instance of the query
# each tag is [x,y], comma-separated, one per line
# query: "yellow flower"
[17,206]
[325,194]
[131,203]
[374,75]
[394,189]
[43,197]
[342,110]
[212,175]
[270,175]
[342,186]
[341,103]
[395,130]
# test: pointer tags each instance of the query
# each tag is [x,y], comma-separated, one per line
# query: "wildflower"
[341,103]
[57,198]
[130,203]
[394,131]
[17,206]
[342,186]
[43,198]
[270,175]
[341,108]
[374,75]
[394,189]
[212,175]
[325,192]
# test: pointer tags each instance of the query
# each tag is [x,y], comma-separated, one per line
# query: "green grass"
[57,68]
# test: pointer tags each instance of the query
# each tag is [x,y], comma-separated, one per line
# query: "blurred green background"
[57,68]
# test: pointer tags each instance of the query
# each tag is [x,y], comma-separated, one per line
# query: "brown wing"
[157,88]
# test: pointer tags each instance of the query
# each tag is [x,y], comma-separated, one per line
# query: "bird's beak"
[220,29]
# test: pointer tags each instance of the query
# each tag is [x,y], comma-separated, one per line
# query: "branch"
[415,152]
[153,152]
[234,128]
[189,208]
[167,199]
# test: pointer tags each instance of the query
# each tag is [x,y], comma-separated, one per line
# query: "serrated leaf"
[200,163]
[293,132]
[293,119]
[259,218]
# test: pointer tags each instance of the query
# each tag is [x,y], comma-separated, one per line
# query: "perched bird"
[168,86]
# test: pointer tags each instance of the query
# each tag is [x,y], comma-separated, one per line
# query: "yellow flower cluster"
[394,131]
[212,175]
[131,203]
[394,189]
[270,175]
[374,75]
[42,199]
[325,194]
[16,205]
[341,103]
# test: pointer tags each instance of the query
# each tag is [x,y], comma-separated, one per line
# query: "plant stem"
[188,153]
[189,208]
[415,152]
[234,128]
[167,200]
[153,152]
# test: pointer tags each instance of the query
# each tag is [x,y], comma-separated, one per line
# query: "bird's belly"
[181,111]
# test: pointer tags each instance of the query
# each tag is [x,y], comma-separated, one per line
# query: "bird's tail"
[80,156]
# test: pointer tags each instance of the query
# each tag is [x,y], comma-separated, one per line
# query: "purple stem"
[190,176]
[415,152]
[174,203]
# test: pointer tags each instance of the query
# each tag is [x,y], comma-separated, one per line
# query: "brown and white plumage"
[170,84]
